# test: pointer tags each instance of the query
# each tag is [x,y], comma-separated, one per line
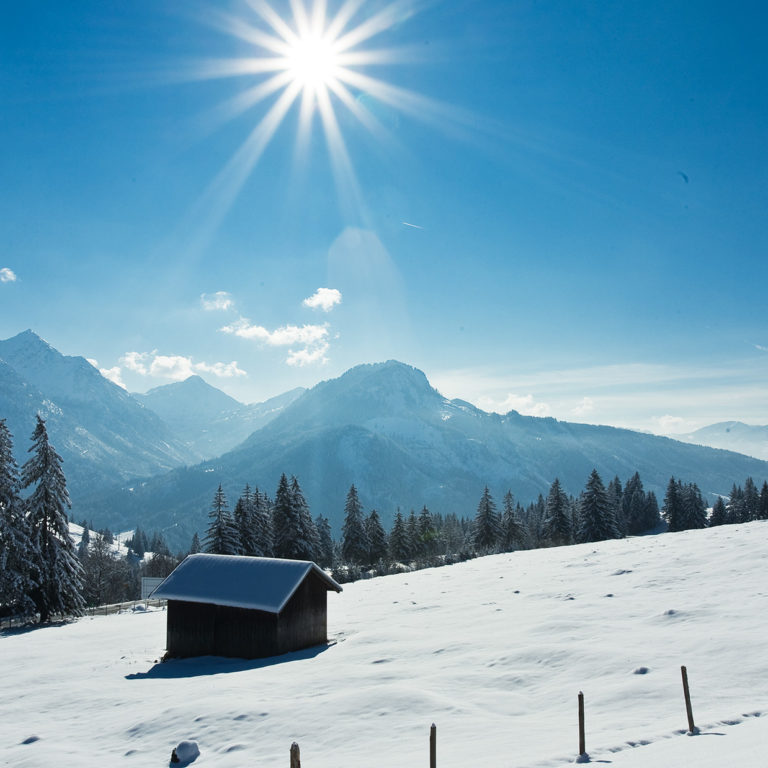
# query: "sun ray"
[239,28]
[266,12]
[342,18]
[377,24]
[366,119]
[301,18]
[213,69]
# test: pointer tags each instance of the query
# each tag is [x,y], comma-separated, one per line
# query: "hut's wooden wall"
[303,622]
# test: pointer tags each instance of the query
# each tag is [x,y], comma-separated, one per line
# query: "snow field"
[494,651]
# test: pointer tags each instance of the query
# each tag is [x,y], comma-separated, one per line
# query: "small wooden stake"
[582,740]
[433,746]
[295,756]
[688,708]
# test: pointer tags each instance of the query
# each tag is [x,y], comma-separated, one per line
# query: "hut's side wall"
[303,622]
[202,629]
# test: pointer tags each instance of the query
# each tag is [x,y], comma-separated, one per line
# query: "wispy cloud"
[587,405]
[7,275]
[217,302]
[412,226]
[761,347]
[113,374]
[669,424]
[176,367]
[313,339]
[323,298]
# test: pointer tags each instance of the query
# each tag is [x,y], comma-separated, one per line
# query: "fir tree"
[195,547]
[243,518]
[751,501]
[354,541]
[693,508]
[597,520]
[764,501]
[512,529]
[307,543]
[221,536]
[673,505]
[412,531]
[426,537]
[58,572]
[377,538]
[285,520]
[719,515]
[557,521]
[735,506]
[487,533]
[263,524]
[399,546]
[16,553]
[325,552]
[615,495]
[82,547]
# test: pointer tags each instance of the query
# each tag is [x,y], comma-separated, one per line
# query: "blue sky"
[561,210]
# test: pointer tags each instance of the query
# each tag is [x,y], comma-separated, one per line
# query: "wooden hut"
[245,607]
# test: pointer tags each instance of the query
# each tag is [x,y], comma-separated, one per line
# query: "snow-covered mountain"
[102,433]
[732,436]
[208,421]
[385,429]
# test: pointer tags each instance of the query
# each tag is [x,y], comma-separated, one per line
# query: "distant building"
[245,607]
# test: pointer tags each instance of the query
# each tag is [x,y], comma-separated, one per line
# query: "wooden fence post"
[295,756]
[687,693]
[433,746]
[582,739]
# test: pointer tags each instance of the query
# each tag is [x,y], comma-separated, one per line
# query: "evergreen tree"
[764,501]
[221,536]
[58,572]
[487,534]
[377,538]
[453,535]
[82,547]
[615,495]
[557,521]
[263,524]
[325,552]
[399,546]
[412,530]
[735,506]
[694,509]
[16,553]
[672,511]
[512,529]
[243,518]
[597,520]
[354,541]
[286,523]
[751,501]
[195,547]
[307,544]
[426,537]
[719,515]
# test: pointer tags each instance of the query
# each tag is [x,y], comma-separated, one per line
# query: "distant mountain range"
[385,429]
[137,458]
[731,436]
[104,434]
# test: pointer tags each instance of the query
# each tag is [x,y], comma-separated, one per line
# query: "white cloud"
[323,298]
[587,405]
[135,361]
[174,367]
[761,347]
[219,301]
[7,275]
[280,337]
[114,375]
[302,357]
[524,404]
[669,424]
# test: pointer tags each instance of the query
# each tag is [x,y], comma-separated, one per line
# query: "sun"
[321,61]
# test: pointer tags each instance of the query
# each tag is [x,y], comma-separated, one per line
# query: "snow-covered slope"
[208,421]
[494,651]
[385,429]
[102,433]
[749,439]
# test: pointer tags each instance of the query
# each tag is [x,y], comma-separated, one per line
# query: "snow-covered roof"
[258,583]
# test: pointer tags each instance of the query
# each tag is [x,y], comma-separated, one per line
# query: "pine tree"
[58,572]
[719,515]
[399,546]
[751,501]
[487,533]
[325,553]
[764,501]
[672,511]
[557,521]
[16,552]
[426,537]
[412,531]
[221,536]
[616,494]
[195,547]
[263,524]
[597,520]
[377,538]
[735,506]
[512,529]
[243,518]
[307,543]
[82,547]
[286,521]
[354,541]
